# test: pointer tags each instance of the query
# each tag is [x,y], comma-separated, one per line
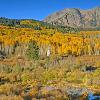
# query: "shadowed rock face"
[76,18]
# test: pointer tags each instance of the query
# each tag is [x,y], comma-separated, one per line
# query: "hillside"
[35,24]
[86,19]
[17,40]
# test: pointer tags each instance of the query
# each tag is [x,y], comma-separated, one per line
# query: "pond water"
[92,97]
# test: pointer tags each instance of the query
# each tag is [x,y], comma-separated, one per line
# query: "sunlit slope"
[82,43]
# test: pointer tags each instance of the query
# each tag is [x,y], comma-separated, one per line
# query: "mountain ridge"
[75,17]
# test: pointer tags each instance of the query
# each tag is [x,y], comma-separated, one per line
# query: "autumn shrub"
[84,96]
[97,64]
[5,68]
[6,89]
[59,94]
[75,77]
[10,97]
[27,77]
[17,69]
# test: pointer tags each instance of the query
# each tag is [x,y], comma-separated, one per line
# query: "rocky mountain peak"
[74,17]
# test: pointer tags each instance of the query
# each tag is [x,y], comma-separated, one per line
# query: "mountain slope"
[76,18]
[35,24]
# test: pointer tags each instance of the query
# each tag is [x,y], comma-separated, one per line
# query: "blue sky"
[39,9]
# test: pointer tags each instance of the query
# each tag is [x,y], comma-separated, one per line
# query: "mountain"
[76,18]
